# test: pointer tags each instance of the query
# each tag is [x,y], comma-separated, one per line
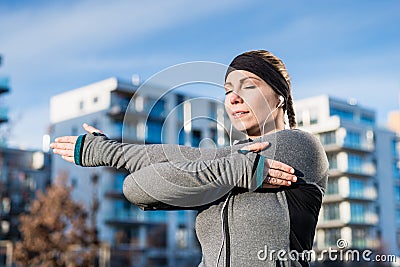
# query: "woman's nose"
[234,98]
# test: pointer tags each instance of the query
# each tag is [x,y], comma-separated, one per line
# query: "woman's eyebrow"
[243,80]
[247,78]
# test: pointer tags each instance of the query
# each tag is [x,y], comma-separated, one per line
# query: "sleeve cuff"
[78,150]
[260,171]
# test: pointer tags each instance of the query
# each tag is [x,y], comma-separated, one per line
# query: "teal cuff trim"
[243,151]
[260,171]
[78,150]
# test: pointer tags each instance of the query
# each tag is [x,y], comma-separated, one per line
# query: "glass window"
[397,193]
[331,212]
[81,105]
[179,102]
[394,148]
[357,212]
[343,114]
[355,163]
[359,237]
[332,236]
[156,216]
[95,99]
[328,138]
[213,111]
[396,170]
[356,188]
[352,139]
[214,135]
[153,131]
[119,181]
[181,137]
[333,186]
[155,107]
[332,158]
[196,138]
[367,119]
[181,216]
[398,216]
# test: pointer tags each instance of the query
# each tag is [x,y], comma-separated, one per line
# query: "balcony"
[3,114]
[357,147]
[365,170]
[4,85]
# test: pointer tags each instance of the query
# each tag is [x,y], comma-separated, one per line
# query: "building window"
[366,119]
[332,236]
[156,216]
[331,212]
[155,107]
[354,163]
[179,102]
[343,114]
[352,139]
[214,135]
[213,111]
[395,153]
[359,237]
[398,239]
[181,137]
[356,188]
[357,212]
[333,186]
[196,138]
[95,99]
[328,138]
[398,216]
[397,193]
[332,158]
[153,131]
[396,170]
[81,105]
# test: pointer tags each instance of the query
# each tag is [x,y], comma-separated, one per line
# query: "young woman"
[264,193]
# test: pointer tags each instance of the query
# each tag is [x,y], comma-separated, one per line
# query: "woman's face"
[249,101]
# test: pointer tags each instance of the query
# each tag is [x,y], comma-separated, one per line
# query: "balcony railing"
[4,84]
[3,114]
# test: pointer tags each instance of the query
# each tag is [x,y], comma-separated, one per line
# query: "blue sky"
[347,49]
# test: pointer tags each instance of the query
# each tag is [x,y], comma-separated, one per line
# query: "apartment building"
[136,114]
[361,197]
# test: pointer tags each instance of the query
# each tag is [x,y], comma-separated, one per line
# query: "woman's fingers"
[281,175]
[64,152]
[91,129]
[62,145]
[273,164]
[66,139]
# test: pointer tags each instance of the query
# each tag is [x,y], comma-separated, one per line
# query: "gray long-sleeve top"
[258,221]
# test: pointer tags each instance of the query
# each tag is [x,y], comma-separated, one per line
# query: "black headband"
[262,69]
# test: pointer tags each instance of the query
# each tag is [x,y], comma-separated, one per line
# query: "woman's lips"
[239,114]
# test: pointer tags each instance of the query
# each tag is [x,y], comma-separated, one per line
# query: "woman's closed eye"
[249,87]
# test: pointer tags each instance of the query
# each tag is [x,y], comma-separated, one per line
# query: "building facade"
[139,115]
[361,199]
[4,89]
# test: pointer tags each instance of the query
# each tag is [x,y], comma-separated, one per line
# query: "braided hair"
[281,68]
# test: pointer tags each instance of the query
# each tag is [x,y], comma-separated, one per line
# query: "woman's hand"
[65,145]
[278,173]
